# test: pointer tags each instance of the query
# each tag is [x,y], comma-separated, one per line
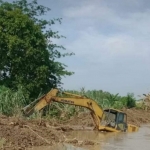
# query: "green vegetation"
[107,100]
[28,57]
[11,102]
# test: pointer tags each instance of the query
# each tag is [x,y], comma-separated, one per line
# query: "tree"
[131,102]
[112,99]
[27,55]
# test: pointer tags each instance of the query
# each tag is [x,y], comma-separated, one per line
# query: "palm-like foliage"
[11,102]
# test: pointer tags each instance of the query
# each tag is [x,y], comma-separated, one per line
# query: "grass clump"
[11,101]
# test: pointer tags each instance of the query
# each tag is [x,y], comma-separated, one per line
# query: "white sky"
[111,42]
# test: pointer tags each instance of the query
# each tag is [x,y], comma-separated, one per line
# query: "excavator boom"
[72,99]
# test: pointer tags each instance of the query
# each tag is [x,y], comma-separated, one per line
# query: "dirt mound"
[83,119]
[20,133]
[135,116]
[138,116]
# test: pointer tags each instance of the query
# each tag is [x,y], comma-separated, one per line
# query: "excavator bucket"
[39,103]
[132,128]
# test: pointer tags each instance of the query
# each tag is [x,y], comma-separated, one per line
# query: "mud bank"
[20,133]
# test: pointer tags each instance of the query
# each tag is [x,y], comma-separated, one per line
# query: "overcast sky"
[111,42]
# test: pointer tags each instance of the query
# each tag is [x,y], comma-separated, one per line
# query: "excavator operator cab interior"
[114,119]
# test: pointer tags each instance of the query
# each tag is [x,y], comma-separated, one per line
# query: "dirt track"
[18,133]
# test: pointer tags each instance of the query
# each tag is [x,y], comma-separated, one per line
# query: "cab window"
[121,118]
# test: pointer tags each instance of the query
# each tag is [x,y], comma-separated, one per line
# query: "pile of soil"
[83,120]
[138,116]
[134,116]
[20,133]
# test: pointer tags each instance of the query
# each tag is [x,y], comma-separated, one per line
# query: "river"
[108,141]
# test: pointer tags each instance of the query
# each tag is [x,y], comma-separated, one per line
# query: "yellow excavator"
[110,120]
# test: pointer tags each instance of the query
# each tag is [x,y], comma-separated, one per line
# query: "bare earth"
[20,133]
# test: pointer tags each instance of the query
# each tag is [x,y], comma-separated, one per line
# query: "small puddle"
[108,141]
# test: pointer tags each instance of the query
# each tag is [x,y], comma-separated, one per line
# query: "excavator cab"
[114,119]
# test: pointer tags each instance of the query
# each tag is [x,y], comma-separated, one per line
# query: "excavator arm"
[72,99]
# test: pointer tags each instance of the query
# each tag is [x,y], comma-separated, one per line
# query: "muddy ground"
[21,133]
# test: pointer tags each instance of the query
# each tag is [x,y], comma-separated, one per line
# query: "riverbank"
[21,133]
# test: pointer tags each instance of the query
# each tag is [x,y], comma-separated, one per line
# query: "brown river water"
[108,141]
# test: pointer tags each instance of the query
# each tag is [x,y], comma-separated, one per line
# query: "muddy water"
[108,141]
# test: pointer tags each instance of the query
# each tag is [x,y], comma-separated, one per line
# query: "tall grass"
[11,102]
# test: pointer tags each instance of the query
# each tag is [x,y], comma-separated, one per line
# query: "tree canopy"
[27,55]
